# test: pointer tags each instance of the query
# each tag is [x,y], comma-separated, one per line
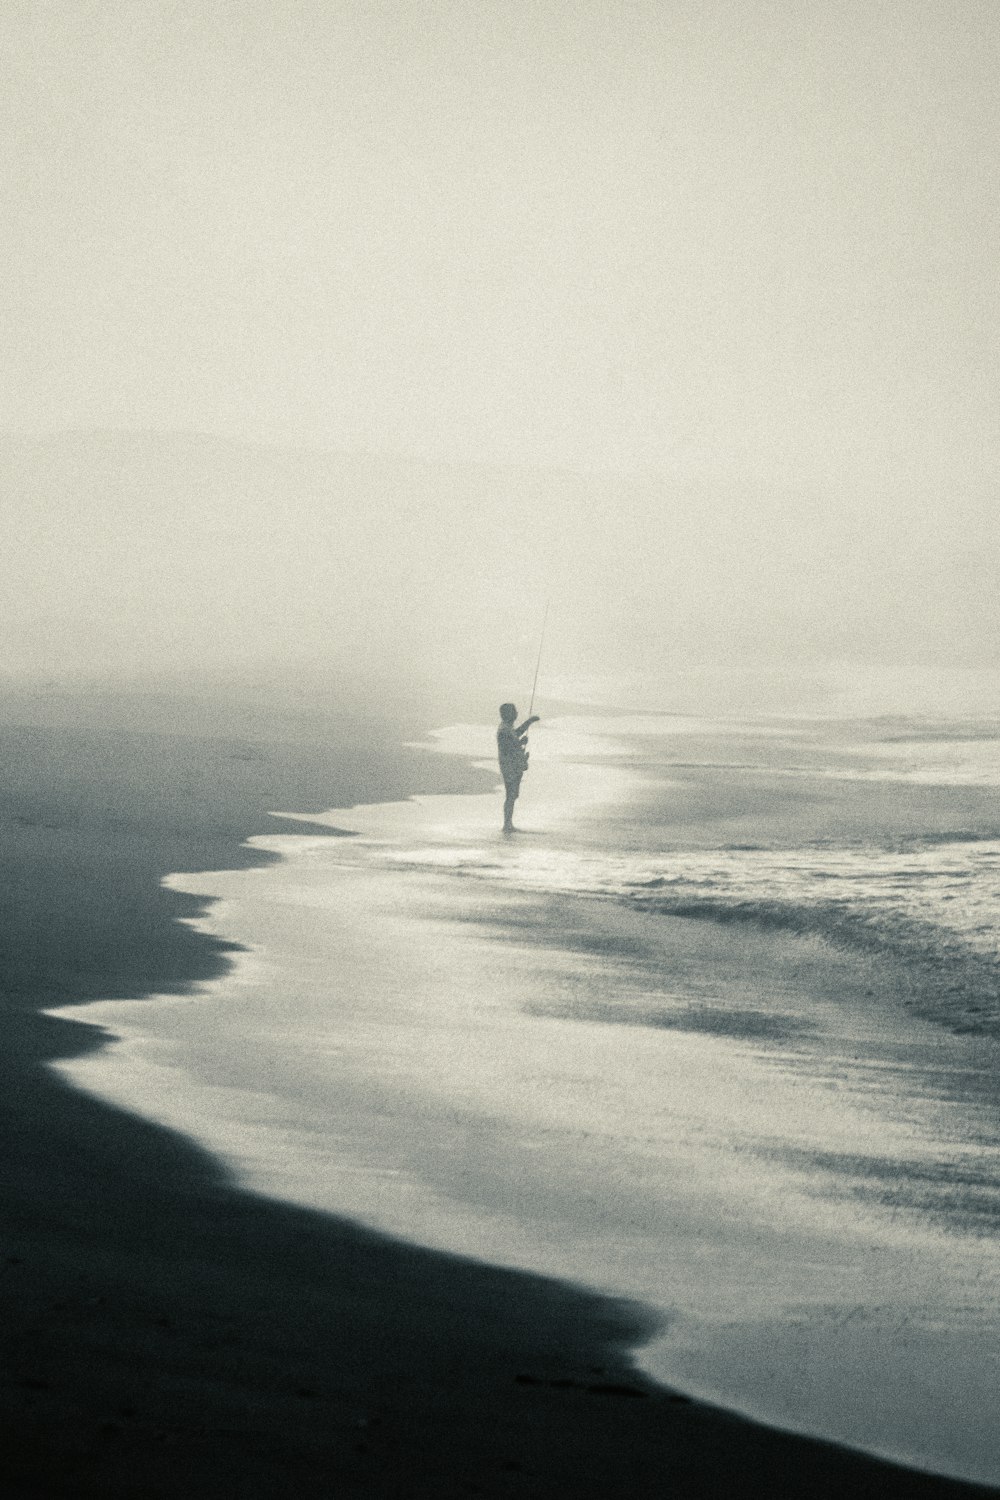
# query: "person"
[512,752]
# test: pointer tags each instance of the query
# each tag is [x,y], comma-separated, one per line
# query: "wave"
[925,906]
[943,977]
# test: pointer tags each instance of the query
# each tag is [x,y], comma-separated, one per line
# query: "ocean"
[717,1030]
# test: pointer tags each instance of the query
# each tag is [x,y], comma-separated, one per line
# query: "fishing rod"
[538,663]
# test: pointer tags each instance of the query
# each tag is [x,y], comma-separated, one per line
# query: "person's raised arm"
[521,728]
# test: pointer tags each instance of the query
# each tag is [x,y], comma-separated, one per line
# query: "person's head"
[508,712]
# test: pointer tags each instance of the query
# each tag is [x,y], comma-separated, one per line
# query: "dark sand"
[165,1334]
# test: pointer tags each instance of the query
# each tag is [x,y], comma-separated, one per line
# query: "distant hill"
[173,552]
[136,551]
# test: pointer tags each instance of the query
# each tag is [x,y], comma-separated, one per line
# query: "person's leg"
[508,808]
[513,786]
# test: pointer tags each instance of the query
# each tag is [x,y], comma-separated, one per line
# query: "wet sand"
[167,1333]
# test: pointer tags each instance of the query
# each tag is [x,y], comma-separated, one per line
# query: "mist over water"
[342,340]
[138,556]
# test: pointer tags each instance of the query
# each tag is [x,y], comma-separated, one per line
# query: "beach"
[373,368]
[223,1289]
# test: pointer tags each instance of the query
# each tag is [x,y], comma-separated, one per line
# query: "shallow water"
[718,1030]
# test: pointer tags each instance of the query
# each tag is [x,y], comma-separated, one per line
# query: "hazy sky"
[758,235]
[739,256]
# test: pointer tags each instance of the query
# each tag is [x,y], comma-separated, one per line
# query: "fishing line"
[538,663]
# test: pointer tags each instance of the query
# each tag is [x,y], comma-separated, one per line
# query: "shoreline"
[419,1181]
[166,1332]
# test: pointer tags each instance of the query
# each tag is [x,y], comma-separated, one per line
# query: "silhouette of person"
[512,752]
